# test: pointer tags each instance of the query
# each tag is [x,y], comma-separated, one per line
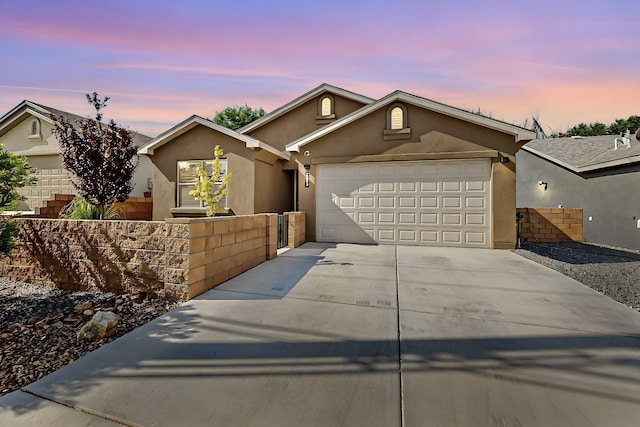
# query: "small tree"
[236,117]
[15,172]
[102,158]
[211,189]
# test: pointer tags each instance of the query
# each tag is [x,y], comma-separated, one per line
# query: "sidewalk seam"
[84,411]
[399,339]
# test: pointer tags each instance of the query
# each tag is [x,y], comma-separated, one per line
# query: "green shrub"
[79,208]
[8,229]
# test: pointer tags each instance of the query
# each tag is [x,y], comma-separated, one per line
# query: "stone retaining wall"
[551,224]
[178,258]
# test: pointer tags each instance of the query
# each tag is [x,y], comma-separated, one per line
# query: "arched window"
[397,123]
[396,118]
[34,130]
[326,109]
[35,127]
[325,106]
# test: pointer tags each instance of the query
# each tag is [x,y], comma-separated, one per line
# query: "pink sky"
[161,61]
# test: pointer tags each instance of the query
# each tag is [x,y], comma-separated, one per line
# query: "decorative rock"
[42,323]
[88,312]
[79,308]
[103,324]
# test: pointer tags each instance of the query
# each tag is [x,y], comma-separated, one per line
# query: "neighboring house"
[27,129]
[401,169]
[599,174]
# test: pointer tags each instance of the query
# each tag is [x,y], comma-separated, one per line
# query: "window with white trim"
[186,181]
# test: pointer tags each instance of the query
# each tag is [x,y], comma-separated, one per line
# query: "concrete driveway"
[348,335]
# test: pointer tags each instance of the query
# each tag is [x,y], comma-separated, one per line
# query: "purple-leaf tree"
[101,157]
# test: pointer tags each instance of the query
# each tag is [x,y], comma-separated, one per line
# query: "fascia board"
[518,133]
[551,159]
[168,135]
[301,100]
[194,121]
[610,164]
[14,116]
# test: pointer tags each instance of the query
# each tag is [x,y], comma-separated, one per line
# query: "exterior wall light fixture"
[543,183]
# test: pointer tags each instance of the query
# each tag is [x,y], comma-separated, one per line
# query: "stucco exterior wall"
[198,144]
[300,121]
[256,185]
[433,136]
[273,188]
[610,198]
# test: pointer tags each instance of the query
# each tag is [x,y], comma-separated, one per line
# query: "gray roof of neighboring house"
[26,107]
[588,153]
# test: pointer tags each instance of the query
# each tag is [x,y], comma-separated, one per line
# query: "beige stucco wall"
[433,136]
[255,186]
[273,188]
[300,121]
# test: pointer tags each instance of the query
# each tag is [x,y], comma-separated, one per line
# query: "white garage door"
[50,182]
[419,203]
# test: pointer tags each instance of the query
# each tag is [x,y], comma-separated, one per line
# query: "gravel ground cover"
[38,324]
[614,272]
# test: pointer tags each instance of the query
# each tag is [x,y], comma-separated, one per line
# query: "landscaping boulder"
[102,324]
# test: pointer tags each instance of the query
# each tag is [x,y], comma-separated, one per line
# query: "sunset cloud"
[163,61]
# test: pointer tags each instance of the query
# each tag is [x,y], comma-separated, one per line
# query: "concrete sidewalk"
[315,337]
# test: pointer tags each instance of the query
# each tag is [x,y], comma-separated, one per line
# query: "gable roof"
[584,154]
[324,87]
[29,108]
[518,132]
[196,120]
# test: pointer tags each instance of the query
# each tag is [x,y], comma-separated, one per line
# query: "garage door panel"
[452,186]
[407,202]
[408,219]
[407,187]
[451,202]
[451,219]
[387,202]
[475,219]
[428,187]
[429,237]
[475,202]
[388,187]
[428,203]
[387,235]
[477,238]
[475,186]
[366,202]
[407,236]
[429,219]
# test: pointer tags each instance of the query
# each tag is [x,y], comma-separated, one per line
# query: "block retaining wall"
[551,224]
[177,258]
